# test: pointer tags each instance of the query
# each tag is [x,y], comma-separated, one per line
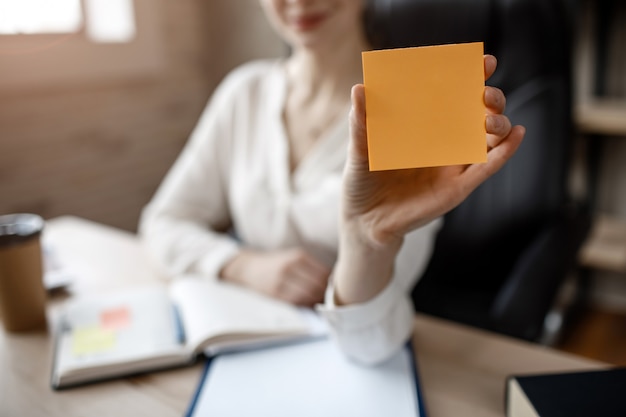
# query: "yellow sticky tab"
[424,106]
[92,339]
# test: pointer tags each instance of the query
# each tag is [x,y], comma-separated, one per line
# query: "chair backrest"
[531,40]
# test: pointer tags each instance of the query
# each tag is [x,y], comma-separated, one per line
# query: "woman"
[267,159]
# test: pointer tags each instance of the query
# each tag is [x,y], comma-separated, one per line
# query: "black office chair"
[502,255]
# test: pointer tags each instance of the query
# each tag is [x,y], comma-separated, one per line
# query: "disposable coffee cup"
[22,293]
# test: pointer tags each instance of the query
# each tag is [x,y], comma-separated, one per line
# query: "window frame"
[35,61]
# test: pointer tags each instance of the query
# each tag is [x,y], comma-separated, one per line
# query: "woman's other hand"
[291,275]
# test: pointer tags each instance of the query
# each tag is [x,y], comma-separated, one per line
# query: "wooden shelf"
[604,117]
[606,246]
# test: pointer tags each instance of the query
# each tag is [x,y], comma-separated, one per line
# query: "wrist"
[364,267]
[234,270]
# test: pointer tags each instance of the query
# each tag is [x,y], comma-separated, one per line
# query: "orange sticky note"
[425,106]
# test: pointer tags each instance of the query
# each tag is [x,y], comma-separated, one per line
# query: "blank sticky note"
[424,106]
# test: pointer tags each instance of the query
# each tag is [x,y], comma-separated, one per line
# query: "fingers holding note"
[422,131]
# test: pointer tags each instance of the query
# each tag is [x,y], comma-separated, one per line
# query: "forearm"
[363,269]
[371,315]
[368,312]
[182,246]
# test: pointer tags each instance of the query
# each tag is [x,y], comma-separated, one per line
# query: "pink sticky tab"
[115,318]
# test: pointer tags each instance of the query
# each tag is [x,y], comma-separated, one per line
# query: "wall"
[98,149]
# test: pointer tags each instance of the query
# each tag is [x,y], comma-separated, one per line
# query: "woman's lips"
[308,22]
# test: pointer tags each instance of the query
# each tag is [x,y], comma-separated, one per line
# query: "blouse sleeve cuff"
[211,264]
[373,331]
[358,316]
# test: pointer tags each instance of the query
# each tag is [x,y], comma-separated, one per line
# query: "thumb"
[358,127]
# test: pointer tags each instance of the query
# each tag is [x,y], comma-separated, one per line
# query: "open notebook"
[154,327]
[307,379]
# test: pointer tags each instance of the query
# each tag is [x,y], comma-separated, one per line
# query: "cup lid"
[20,226]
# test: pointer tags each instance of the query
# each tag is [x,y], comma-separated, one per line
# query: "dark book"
[598,393]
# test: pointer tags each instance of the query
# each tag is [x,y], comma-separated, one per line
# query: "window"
[110,20]
[39,16]
[105,20]
[46,42]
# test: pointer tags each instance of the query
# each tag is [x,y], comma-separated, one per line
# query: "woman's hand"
[381,207]
[389,204]
[291,275]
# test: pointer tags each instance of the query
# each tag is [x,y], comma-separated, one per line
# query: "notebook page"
[308,379]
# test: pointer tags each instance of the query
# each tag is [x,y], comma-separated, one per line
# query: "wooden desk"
[462,370]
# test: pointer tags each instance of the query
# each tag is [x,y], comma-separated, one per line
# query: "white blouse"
[234,174]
